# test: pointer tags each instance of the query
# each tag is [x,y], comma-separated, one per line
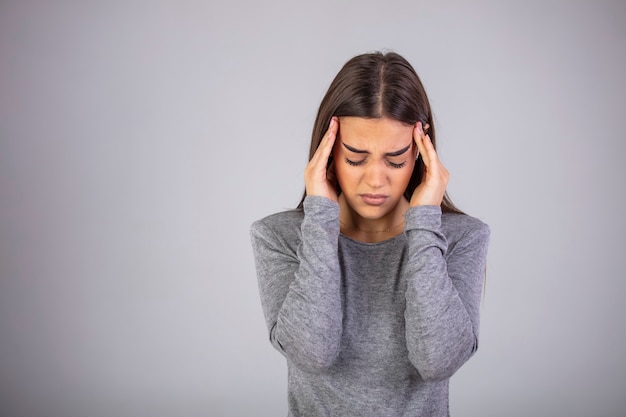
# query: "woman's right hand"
[319,177]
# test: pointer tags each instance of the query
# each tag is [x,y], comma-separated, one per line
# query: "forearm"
[441,322]
[302,299]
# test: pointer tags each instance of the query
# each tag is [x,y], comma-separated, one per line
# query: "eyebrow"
[395,153]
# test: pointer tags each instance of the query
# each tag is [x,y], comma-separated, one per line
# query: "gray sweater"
[370,329]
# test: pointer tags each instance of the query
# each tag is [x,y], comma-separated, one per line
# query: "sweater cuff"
[323,211]
[423,218]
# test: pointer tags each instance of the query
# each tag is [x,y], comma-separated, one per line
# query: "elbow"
[314,359]
[319,351]
[314,355]
[435,365]
[434,373]
[319,359]
[432,370]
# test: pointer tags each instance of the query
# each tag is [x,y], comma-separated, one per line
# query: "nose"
[375,175]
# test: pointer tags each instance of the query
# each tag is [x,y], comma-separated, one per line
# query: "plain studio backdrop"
[139,141]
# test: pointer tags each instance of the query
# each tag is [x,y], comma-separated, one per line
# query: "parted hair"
[376,85]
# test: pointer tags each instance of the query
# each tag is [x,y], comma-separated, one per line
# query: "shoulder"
[282,221]
[282,229]
[457,227]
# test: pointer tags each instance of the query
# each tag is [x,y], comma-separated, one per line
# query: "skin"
[372,204]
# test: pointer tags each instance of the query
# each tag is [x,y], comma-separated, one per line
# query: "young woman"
[371,287]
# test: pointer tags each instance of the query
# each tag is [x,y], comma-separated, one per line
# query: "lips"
[374,199]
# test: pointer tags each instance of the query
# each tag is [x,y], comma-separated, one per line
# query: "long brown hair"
[378,85]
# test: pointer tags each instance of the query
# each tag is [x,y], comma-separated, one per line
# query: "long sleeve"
[300,287]
[444,286]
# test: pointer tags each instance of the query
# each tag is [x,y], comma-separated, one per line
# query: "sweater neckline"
[381,243]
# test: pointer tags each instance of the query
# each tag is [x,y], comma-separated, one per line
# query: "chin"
[374,212]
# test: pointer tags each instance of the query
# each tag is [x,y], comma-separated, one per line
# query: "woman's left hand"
[431,190]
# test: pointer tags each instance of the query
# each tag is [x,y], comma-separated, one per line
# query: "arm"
[300,291]
[444,286]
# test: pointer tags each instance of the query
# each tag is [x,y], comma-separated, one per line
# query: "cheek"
[402,178]
[349,178]
[342,173]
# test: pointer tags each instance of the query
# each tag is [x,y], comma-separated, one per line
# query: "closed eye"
[362,161]
[394,165]
[388,154]
[355,163]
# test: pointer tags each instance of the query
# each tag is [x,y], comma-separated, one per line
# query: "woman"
[371,288]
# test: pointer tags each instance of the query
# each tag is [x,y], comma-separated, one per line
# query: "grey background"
[138,141]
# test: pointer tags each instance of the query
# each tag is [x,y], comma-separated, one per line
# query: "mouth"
[374,199]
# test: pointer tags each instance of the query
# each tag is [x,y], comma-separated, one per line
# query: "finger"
[435,167]
[331,174]
[331,133]
[326,147]
[327,142]
[418,136]
[430,148]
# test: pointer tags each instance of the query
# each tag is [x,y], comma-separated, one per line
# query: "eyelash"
[391,164]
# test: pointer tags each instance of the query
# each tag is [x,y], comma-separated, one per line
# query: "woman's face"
[374,160]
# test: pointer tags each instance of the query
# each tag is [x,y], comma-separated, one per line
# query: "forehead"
[382,134]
